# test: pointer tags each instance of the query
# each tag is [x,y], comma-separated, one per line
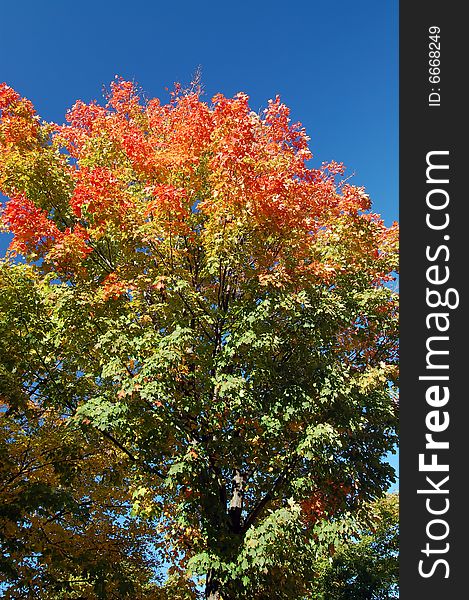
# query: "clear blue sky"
[335,64]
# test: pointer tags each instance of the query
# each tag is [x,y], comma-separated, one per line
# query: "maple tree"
[215,310]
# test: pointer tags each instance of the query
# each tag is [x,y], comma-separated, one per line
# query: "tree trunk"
[236,502]
[212,584]
[213,595]
[212,587]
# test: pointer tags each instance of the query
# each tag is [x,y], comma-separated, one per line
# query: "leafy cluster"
[368,567]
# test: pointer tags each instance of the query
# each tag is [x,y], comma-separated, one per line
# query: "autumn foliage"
[152,174]
[220,310]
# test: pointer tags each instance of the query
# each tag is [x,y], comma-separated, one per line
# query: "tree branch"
[251,518]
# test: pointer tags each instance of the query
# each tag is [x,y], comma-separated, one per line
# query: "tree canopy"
[203,330]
